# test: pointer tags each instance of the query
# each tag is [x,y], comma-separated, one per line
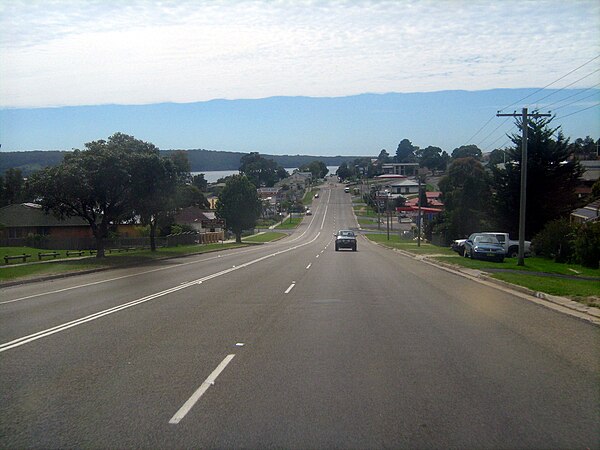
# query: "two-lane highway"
[292,344]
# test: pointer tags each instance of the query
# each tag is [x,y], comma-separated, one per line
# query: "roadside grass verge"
[583,291]
[264,237]
[289,224]
[113,260]
[410,246]
[308,197]
[532,264]
[364,211]
[368,221]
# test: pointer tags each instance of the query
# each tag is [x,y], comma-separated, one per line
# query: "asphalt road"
[292,345]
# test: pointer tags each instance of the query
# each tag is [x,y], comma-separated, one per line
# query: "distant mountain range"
[354,125]
[200,160]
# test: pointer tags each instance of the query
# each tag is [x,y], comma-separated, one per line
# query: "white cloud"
[76,52]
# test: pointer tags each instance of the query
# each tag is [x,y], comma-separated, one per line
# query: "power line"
[550,84]
[581,110]
[575,101]
[493,131]
[572,95]
[564,87]
[478,131]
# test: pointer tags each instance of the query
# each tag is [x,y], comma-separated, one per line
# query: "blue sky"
[56,54]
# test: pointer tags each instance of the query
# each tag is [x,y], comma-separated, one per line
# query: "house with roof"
[403,169]
[199,219]
[22,220]
[589,213]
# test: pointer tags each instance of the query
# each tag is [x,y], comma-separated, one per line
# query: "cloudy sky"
[58,53]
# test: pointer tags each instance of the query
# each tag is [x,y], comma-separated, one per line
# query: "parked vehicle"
[483,246]
[511,247]
[347,190]
[345,239]
[308,212]
[458,245]
[317,195]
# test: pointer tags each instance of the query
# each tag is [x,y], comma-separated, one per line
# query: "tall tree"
[318,169]
[261,171]
[12,189]
[239,205]
[405,153]
[94,184]
[552,176]
[466,195]
[434,158]
[153,185]
[383,157]
[467,151]
[200,182]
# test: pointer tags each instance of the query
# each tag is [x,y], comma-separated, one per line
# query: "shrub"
[587,245]
[555,241]
[36,241]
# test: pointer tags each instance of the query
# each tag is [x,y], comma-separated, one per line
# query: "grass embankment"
[264,237]
[308,197]
[289,224]
[364,211]
[76,264]
[582,290]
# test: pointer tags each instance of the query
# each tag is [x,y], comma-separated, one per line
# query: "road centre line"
[289,289]
[57,291]
[308,267]
[80,286]
[210,381]
[59,328]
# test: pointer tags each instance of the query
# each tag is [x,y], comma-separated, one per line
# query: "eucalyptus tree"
[239,205]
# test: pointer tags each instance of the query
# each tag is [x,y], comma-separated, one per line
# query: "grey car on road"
[345,239]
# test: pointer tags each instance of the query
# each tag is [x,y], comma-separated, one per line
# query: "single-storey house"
[405,187]
[25,219]
[200,220]
[589,213]
[400,168]
[21,220]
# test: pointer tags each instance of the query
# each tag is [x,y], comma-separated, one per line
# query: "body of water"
[213,175]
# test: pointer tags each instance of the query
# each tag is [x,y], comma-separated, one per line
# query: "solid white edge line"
[187,406]
[288,290]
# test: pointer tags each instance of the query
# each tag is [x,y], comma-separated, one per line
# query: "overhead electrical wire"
[564,87]
[478,131]
[550,84]
[572,95]
[581,110]
[575,101]
[493,131]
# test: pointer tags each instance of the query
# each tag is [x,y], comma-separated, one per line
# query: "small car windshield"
[485,240]
[346,233]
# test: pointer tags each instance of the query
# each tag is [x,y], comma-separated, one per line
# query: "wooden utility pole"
[523,198]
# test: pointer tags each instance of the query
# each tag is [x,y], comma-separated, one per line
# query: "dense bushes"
[587,245]
[567,242]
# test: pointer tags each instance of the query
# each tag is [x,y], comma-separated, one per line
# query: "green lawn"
[583,291]
[12,272]
[264,237]
[289,223]
[586,292]
[309,196]
[409,245]
[364,211]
